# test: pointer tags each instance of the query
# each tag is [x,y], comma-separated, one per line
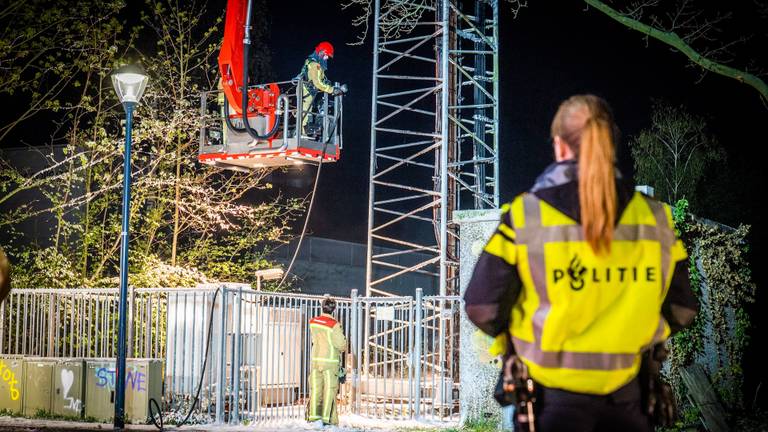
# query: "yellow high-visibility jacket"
[580,321]
[313,73]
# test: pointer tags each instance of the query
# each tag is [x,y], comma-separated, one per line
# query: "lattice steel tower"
[434,135]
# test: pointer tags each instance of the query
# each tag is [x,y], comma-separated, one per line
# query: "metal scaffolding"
[434,135]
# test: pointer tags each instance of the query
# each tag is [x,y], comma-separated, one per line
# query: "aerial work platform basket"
[276,112]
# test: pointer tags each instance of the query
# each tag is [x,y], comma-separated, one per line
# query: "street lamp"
[267,274]
[129,82]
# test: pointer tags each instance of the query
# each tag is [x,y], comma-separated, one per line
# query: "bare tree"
[683,25]
[399,17]
[186,46]
[46,47]
[689,28]
[182,213]
[674,153]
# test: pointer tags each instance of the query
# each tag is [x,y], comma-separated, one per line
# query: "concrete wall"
[337,267]
[479,371]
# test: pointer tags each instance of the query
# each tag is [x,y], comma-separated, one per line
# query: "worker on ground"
[314,81]
[328,345]
[585,278]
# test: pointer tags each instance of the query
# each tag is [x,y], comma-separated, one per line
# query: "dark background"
[550,51]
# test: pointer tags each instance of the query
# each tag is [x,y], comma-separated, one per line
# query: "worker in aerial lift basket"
[314,81]
[328,344]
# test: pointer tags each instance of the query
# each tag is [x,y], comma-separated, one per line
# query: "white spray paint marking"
[67,379]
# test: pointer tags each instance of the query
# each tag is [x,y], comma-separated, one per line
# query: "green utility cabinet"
[68,388]
[100,389]
[142,389]
[11,378]
[38,382]
[143,382]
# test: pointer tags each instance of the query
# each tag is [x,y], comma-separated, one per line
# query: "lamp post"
[129,82]
[267,274]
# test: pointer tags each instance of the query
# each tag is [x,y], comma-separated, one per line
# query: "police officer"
[328,344]
[582,276]
[314,80]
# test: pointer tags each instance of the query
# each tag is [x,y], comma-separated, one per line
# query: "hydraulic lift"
[262,127]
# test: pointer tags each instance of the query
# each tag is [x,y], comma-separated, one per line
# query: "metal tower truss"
[434,137]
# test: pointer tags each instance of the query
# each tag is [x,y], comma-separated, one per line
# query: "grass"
[47,415]
[489,425]
[7,413]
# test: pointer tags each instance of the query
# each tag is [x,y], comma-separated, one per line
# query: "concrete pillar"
[479,371]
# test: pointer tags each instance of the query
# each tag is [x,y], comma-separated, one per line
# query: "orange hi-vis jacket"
[328,341]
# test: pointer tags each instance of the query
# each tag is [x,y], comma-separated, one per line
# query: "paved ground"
[17,424]
[349,424]
[28,425]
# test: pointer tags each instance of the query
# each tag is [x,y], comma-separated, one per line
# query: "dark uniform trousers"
[563,411]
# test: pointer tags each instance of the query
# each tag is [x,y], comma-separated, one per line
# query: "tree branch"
[675,41]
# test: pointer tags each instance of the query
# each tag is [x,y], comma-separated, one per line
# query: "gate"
[402,361]
[405,357]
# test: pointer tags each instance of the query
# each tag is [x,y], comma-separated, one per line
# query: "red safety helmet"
[324,47]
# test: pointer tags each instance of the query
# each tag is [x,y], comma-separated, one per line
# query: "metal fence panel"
[268,357]
[409,360]
[402,361]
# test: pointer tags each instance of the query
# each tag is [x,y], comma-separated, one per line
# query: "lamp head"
[129,81]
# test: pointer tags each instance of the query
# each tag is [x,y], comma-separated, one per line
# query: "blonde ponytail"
[597,185]
[586,124]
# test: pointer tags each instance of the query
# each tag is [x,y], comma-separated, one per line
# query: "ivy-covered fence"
[721,278]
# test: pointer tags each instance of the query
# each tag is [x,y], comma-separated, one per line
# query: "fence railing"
[402,362]
[82,322]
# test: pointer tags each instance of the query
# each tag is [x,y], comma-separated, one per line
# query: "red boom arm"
[261,101]
[231,54]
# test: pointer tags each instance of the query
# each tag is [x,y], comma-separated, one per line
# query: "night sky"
[547,54]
